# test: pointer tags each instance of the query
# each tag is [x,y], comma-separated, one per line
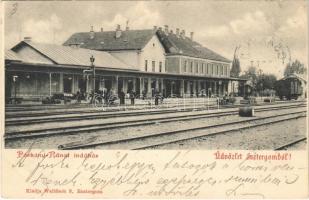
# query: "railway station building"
[144,61]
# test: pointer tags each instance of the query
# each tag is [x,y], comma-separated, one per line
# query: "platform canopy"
[12,56]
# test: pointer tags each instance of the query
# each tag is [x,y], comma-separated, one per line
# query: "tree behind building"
[294,68]
[235,70]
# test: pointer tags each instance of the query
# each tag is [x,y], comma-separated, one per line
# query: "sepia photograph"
[156,75]
[154,99]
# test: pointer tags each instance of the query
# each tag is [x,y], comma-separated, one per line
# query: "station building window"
[160,66]
[210,69]
[217,69]
[191,67]
[185,66]
[196,67]
[222,69]
[153,66]
[146,65]
[207,68]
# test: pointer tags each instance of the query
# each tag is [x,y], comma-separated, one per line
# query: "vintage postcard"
[154,99]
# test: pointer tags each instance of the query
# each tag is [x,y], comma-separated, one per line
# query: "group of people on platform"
[108,97]
[132,96]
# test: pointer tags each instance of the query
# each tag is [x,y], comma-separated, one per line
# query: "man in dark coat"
[122,96]
[157,96]
[132,97]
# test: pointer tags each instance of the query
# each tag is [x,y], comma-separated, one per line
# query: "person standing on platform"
[122,96]
[105,95]
[132,97]
[144,94]
[157,96]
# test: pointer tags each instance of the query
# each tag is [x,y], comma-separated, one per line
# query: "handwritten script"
[154,174]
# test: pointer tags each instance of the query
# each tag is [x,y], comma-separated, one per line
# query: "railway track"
[123,124]
[163,138]
[290,144]
[51,111]
[98,115]
[104,115]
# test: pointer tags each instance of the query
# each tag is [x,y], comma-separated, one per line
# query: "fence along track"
[93,110]
[115,125]
[102,115]
[99,115]
[81,145]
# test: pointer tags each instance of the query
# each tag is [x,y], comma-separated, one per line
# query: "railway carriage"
[289,88]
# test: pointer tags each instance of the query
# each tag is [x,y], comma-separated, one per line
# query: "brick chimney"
[166,29]
[91,34]
[118,31]
[191,35]
[27,39]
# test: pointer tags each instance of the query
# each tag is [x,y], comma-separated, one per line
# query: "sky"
[268,34]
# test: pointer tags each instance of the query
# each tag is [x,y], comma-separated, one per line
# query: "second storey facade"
[138,48]
[197,66]
[156,51]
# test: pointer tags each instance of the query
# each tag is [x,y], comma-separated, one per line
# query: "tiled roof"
[137,39]
[211,55]
[129,40]
[75,56]
[174,44]
[11,55]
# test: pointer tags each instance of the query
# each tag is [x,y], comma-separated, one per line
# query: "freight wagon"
[288,88]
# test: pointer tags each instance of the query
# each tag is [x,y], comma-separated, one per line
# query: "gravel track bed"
[141,143]
[265,137]
[113,134]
